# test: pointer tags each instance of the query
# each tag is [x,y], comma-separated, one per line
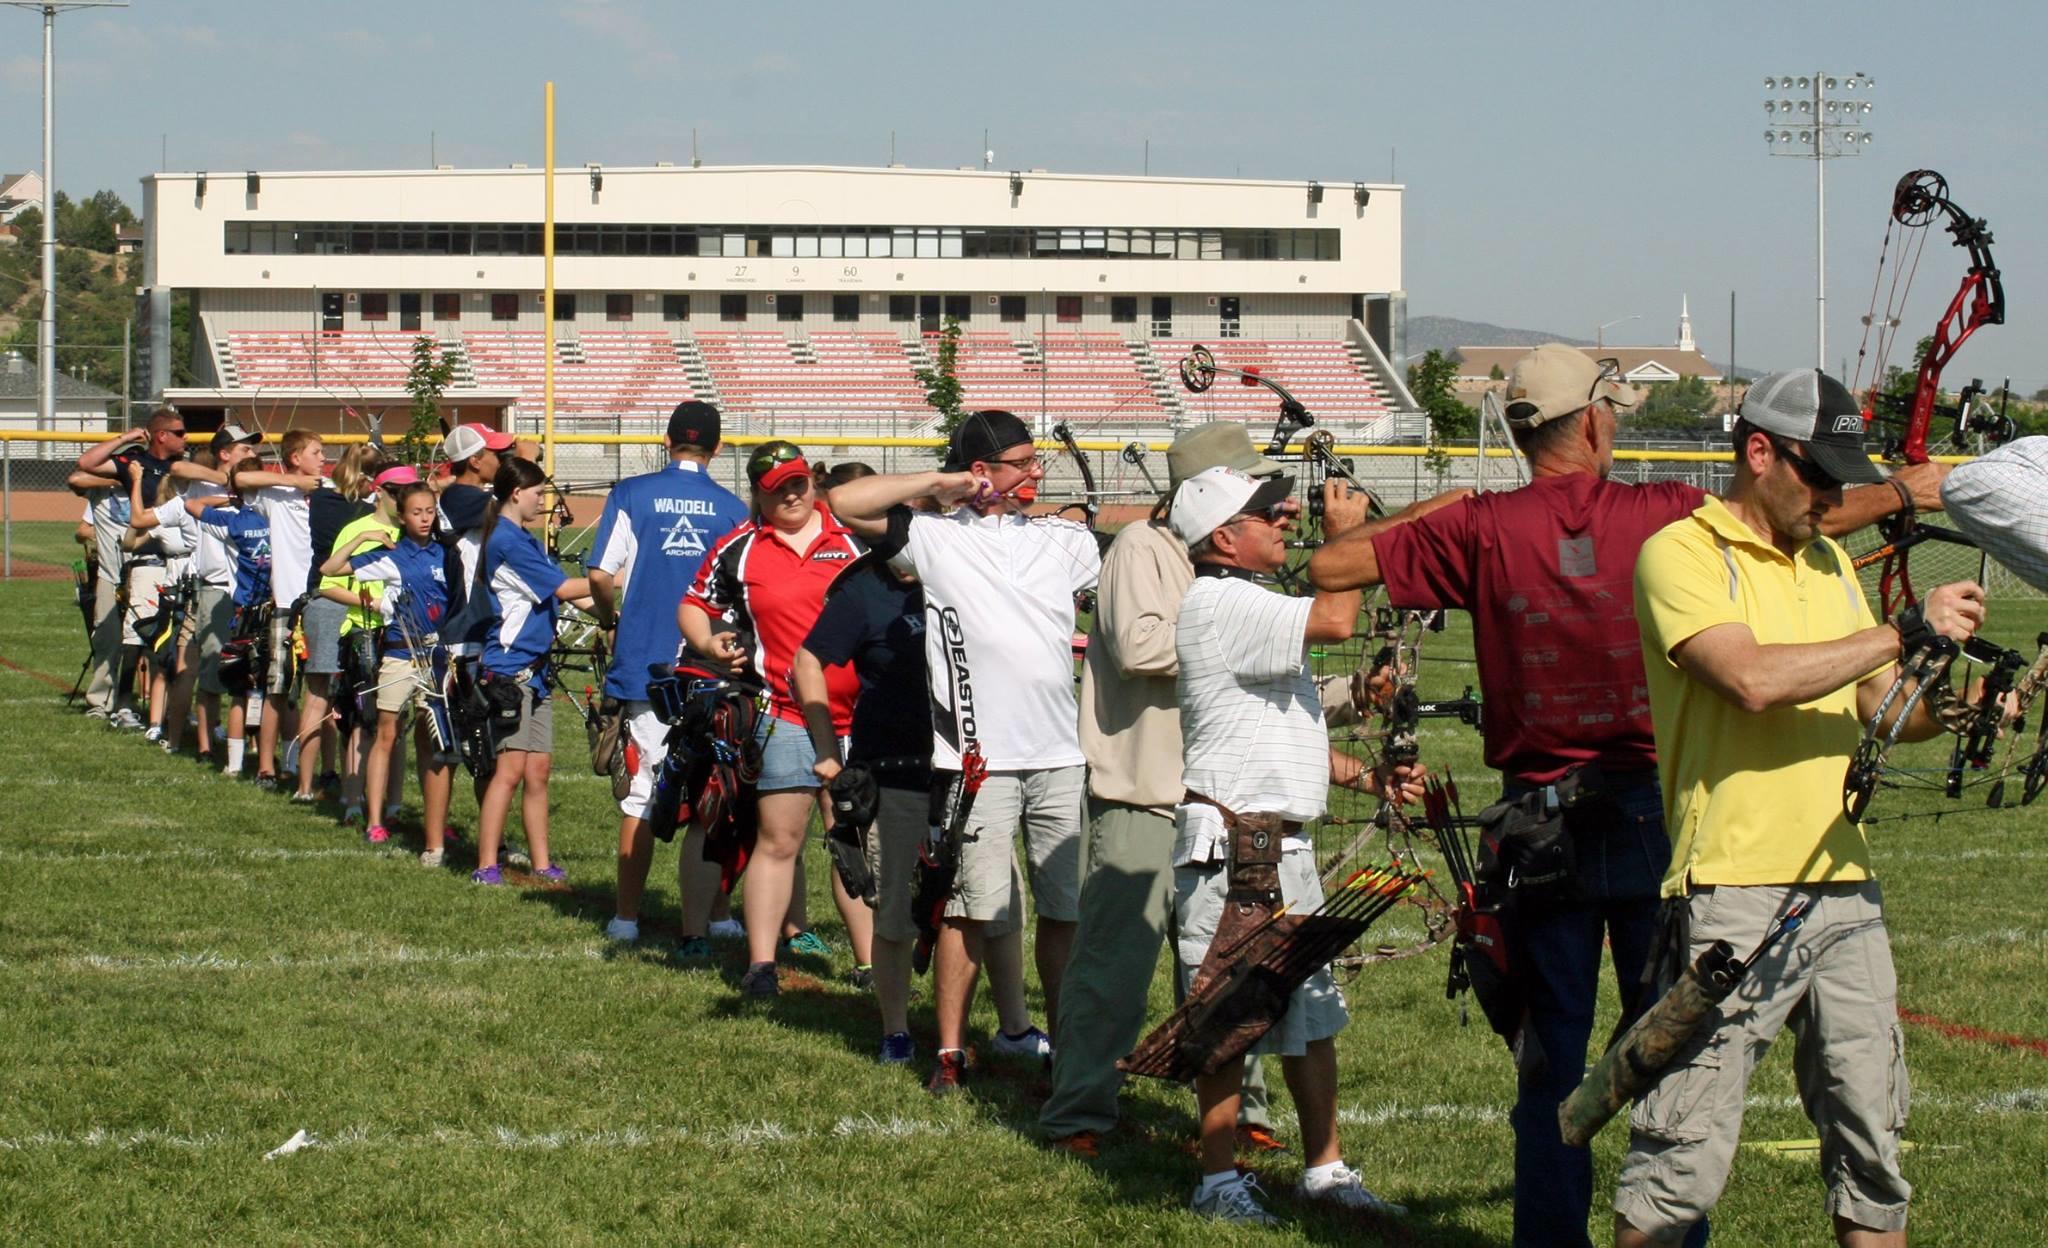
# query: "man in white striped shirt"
[1254,743]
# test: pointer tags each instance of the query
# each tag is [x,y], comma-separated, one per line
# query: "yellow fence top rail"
[1362,450]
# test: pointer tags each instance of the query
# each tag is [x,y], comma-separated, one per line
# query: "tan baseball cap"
[1218,444]
[1556,380]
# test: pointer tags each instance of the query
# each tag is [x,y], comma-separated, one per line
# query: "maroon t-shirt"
[1548,573]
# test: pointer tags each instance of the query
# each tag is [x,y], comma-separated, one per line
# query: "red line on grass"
[61,686]
[1963,1031]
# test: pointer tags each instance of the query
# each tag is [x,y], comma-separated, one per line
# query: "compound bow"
[1921,197]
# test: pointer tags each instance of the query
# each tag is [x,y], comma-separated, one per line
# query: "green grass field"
[192,971]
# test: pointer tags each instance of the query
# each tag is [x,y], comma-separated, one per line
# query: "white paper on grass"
[300,1139]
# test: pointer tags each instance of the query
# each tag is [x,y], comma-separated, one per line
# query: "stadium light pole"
[1813,126]
[46,326]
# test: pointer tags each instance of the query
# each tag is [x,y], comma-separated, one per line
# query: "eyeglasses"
[1021,465]
[1610,370]
[1815,476]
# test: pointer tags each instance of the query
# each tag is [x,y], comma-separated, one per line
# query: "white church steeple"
[1685,342]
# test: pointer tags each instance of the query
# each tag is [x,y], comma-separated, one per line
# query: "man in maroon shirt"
[1547,572]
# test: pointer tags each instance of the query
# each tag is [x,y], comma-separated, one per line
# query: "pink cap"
[403,474]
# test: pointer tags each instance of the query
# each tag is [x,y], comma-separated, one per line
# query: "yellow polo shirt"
[1749,798]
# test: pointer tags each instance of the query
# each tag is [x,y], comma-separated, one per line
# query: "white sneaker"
[1347,1189]
[153,733]
[727,929]
[125,718]
[1235,1201]
[1033,1043]
[624,931]
[517,858]
[431,857]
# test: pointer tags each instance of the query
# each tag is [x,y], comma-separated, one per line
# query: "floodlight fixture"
[1315,192]
[1825,132]
[1016,184]
[596,177]
[1360,195]
[255,182]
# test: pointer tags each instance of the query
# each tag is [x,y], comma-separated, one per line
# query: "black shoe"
[267,782]
[760,981]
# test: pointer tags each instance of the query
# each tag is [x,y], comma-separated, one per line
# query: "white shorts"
[1316,1011]
[646,742]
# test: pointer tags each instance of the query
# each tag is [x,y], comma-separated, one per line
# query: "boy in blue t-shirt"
[245,532]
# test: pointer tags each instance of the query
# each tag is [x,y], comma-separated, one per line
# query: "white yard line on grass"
[402,955]
[738,1135]
[191,853]
[764,1134]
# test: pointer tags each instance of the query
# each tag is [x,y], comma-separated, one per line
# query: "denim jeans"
[1621,851]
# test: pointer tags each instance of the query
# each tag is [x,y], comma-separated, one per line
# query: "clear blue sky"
[1567,164]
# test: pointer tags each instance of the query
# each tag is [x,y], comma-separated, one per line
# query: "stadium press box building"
[799,299]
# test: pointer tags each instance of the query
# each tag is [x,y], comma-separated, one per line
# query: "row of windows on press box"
[1010,309]
[343,238]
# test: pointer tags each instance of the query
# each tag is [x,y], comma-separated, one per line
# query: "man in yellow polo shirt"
[1763,661]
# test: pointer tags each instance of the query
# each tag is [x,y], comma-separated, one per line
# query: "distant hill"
[1446,333]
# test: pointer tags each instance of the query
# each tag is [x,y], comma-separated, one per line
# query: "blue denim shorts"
[787,756]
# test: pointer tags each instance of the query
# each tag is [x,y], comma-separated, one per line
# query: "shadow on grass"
[1148,1162]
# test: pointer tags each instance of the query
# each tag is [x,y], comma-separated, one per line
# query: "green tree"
[1496,374]
[1430,380]
[1672,408]
[941,382]
[425,381]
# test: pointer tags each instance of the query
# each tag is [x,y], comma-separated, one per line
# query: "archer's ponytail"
[514,474]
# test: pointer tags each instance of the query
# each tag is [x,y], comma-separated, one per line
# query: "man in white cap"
[1764,662]
[1255,744]
[1547,567]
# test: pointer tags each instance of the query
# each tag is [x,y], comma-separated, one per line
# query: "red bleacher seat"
[307,359]
[621,373]
[1319,372]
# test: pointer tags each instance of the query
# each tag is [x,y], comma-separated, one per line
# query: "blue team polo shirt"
[246,532]
[418,572]
[654,534]
[522,581]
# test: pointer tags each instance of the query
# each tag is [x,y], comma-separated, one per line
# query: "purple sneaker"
[552,873]
[486,875]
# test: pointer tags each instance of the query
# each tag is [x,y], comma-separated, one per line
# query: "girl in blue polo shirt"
[408,581]
[523,586]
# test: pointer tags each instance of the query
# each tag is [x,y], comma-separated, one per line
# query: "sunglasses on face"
[1271,514]
[767,458]
[1815,476]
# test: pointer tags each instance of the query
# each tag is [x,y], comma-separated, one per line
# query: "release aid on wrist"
[1914,633]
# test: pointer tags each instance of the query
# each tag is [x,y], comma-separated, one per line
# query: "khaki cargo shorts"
[1047,806]
[1832,983]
